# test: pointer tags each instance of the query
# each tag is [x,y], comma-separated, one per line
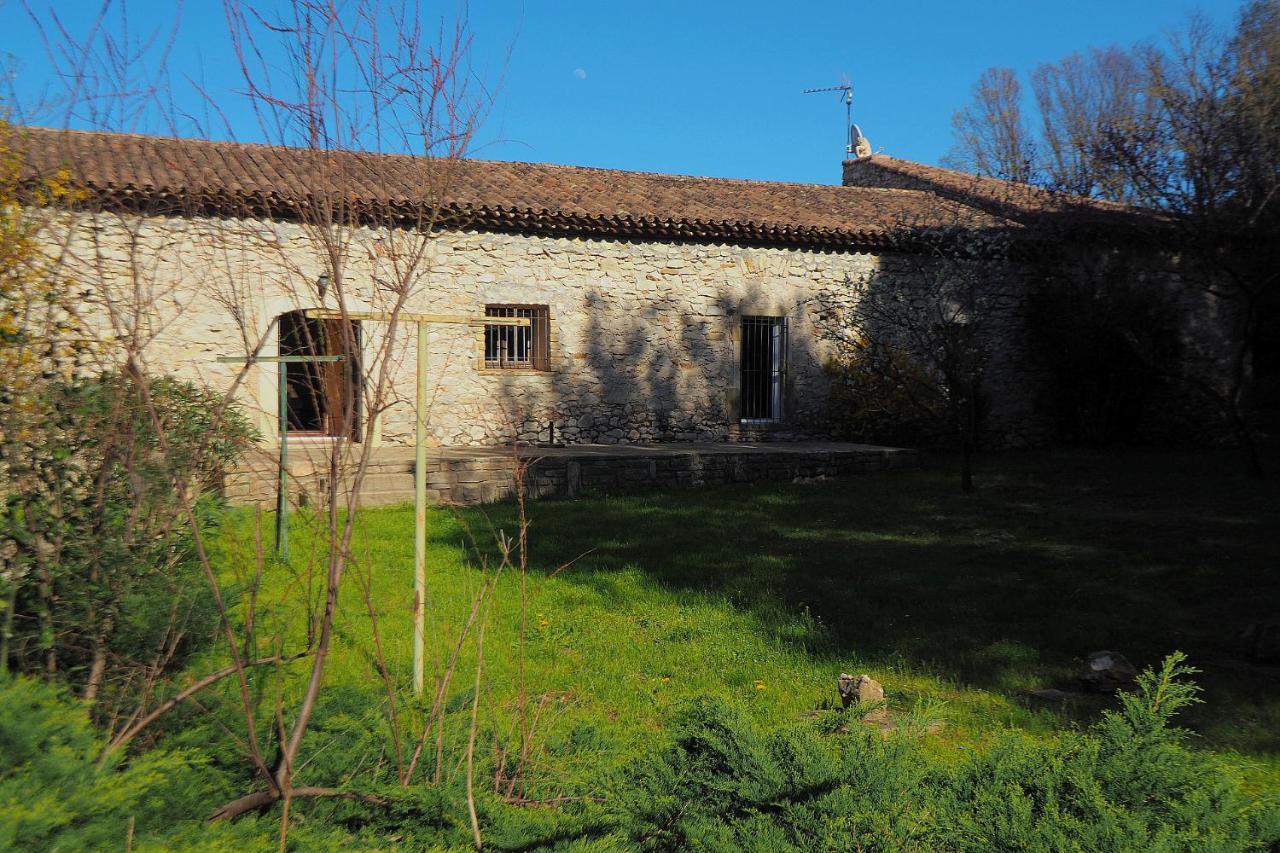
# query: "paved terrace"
[475,475]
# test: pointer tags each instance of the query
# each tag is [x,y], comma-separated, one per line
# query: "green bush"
[1127,783]
[724,782]
[98,575]
[53,795]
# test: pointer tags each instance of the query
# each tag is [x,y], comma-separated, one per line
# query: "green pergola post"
[282,485]
[420,453]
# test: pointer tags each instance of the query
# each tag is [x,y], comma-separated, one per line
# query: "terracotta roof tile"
[1024,203]
[239,179]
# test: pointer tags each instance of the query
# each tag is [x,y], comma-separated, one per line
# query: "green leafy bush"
[1128,783]
[724,782]
[53,794]
[97,562]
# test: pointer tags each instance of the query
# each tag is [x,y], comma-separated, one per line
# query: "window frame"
[336,389]
[770,382]
[539,345]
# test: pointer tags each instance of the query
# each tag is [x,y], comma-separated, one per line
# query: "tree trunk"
[968,437]
[1235,401]
[96,669]
[46,621]
[248,803]
[1248,443]
[6,634]
[99,663]
[1240,419]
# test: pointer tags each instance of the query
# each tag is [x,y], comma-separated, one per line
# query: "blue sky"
[705,88]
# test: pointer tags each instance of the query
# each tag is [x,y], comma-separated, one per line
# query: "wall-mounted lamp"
[322,285]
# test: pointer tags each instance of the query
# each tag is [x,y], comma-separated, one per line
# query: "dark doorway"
[764,347]
[323,398]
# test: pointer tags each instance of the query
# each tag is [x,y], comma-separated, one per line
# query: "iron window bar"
[517,347]
[763,365]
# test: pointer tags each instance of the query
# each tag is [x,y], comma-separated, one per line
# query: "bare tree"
[1204,154]
[359,77]
[1187,131]
[362,76]
[915,337]
[991,137]
[1076,96]
[112,249]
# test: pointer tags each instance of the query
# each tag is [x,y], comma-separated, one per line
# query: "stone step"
[387,482]
[390,467]
[387,498]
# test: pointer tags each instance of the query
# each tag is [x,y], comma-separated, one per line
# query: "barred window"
[517,347]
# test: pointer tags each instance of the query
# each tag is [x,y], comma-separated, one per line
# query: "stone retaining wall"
[473,481]
[463,477]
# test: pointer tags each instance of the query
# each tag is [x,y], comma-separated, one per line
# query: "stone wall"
[644,343]
[644,336]
[913,293]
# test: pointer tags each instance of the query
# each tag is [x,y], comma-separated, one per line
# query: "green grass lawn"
[958,604]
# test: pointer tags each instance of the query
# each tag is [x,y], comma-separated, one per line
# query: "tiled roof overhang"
[497,219]
[187,177]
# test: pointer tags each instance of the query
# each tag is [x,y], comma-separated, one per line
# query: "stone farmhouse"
[661,308]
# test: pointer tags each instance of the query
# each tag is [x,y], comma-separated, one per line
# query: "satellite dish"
[859,145]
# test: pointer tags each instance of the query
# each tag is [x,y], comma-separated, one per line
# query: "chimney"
[864,172]
[860,148]
[886,173]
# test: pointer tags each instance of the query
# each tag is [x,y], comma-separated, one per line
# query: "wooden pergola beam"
[407,317]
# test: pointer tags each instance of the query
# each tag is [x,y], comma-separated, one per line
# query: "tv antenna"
[857,145]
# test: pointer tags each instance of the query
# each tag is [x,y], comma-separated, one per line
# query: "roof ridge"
[896,163]
[914,169]
[478,161]
[139,169]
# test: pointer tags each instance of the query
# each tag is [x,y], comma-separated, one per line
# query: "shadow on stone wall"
[635,377]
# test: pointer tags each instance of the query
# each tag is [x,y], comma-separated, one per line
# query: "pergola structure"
[423,323]
[282,479]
